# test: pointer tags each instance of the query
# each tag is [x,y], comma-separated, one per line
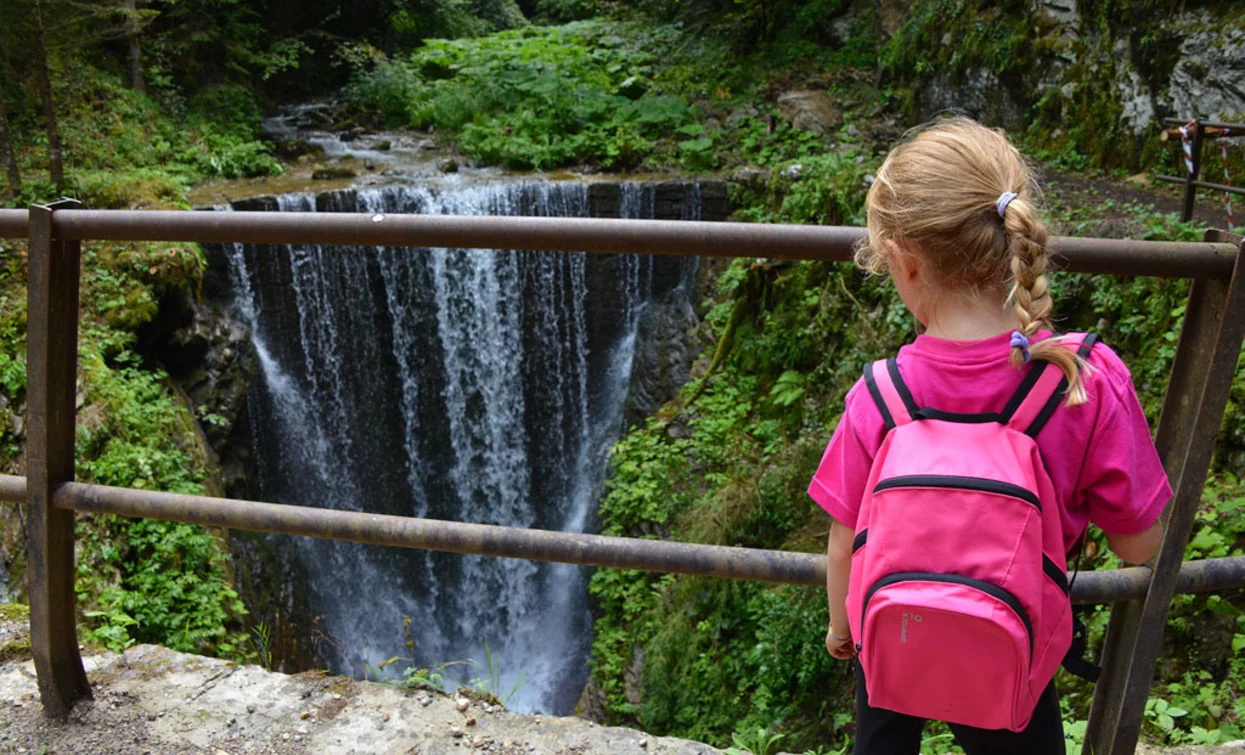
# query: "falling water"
[469,385]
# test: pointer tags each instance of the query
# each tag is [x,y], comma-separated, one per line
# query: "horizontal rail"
[749,564]
[1212,124]
[675,237]
[14,224]
[12,489]
[1202,184]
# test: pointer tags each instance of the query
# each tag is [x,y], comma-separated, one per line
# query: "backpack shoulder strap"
[892,397]
[1042,389]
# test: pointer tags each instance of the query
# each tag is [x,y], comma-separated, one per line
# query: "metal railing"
[1197,393]
[1192,135]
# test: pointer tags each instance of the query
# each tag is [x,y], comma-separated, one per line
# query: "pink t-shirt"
[1100,454]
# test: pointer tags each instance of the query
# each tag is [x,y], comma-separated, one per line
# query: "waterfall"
[468,385]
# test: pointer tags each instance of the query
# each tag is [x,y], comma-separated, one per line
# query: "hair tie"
[1021,341]
[1003,201]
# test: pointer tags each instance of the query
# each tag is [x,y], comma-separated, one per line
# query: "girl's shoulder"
[1105,371]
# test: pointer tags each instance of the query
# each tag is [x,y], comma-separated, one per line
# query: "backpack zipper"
[960,483]
[955,579]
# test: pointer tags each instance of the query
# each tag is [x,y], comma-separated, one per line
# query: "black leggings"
[884,732]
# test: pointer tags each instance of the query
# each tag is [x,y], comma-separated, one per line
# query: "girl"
[952,221]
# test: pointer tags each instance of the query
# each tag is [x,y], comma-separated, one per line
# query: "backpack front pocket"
[949,648]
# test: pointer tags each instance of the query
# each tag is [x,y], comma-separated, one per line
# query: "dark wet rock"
[665,350]
[978,93]
[751,178]
[341,200]
[329,174]
[293,149]
[266,203]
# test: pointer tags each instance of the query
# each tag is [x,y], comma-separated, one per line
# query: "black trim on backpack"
[1057,575]
[929,412]
[1087,345]
[1075,661]
[955,482]
[872,385]
[1013,404]
[1053,402]
[1022,393]
[905,395]
[859,541]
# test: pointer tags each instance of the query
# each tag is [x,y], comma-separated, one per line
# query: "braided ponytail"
[963,197]
[1027,248]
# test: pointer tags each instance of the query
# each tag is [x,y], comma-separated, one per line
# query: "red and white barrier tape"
[1227,177]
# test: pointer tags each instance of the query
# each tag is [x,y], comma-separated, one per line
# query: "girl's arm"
[1136,548]
[838,568]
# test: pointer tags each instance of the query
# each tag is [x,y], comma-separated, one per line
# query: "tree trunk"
[133,47]
[7,152]
[11,170]
[44,80]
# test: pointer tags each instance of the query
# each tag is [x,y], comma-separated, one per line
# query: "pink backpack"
[959,595]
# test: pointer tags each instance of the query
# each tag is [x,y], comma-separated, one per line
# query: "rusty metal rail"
[668,237]
[1202,372]
[1201,131]
[751,564]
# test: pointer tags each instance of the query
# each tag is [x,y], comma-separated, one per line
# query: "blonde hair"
[937,195]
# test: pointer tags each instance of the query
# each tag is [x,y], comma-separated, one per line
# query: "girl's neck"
[970,319]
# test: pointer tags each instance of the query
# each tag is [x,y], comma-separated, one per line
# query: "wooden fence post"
[51,378]
[1197,392]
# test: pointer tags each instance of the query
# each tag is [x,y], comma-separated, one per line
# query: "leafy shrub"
[225,121]
[145,580]
[538,97]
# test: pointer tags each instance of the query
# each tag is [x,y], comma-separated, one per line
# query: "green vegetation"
[138,580]
[485,681]
[122,150]
[539,97]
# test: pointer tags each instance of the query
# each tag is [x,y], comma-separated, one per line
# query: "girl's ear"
[903,265]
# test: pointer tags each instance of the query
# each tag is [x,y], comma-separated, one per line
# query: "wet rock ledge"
[155,700]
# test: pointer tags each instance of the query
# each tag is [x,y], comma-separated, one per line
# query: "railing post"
[51,378]
[1190,186]
[1197,392]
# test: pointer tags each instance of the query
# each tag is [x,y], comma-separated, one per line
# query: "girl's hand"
[840,647]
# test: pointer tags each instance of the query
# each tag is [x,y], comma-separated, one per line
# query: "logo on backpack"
[903,628]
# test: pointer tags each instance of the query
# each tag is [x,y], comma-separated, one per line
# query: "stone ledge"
[155,700]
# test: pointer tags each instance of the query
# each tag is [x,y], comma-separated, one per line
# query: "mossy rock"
[329,174]
[14,612]
[15,651]
[15,645]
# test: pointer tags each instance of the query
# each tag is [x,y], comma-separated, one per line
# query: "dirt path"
[1113,197]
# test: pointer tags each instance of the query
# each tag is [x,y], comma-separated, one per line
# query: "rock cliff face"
[1074,73]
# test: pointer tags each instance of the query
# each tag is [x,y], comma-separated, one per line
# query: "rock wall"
[1070,74]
